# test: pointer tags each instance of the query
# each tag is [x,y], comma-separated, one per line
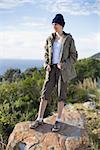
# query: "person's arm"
[73,54]
[46,54]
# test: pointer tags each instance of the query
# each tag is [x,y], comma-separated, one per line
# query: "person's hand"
[59,66]
[48,68]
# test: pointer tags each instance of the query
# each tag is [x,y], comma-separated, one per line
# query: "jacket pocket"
[68,70]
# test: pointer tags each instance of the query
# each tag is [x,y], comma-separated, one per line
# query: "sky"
[25,25]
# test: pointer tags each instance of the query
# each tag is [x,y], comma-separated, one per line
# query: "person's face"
[57,27]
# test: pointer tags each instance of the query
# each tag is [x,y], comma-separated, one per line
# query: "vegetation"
[93,127]
[20,94]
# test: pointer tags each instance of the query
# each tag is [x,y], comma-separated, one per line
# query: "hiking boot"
[36,124]
[56,127]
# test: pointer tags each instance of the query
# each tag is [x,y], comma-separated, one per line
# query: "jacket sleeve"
[73,54]
[46,54]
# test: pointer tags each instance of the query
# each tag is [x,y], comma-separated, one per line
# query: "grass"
[93,125]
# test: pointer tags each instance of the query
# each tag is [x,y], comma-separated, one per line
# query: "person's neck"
[60,33]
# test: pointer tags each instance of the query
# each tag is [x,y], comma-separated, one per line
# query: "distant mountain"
[97,56]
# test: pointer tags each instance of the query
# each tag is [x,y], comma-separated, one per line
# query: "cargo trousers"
[54,78]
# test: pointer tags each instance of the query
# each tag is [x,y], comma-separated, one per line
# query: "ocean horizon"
[22,64]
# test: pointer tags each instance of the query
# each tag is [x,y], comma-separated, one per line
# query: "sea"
[22,64]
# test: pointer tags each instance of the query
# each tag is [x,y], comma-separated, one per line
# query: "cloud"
[27,39]
[22,44]
[73,7]
[70,7]
[29,23]
[35,22]
[8,4]
[30,44]
[88,46]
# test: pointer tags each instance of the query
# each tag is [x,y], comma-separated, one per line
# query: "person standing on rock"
[60,55]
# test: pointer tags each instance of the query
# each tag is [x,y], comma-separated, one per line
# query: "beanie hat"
[59,19]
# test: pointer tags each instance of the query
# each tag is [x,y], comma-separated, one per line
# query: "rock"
[69,106]
[72,136]
[90,105]
[92,96]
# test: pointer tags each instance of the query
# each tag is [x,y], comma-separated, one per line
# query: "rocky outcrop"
[90,105]
[72,136]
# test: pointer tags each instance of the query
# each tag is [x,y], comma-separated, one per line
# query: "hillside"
[97,56]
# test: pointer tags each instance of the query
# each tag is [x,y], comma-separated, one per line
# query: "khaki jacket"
[68,55]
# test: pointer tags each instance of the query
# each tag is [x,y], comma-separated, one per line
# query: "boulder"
[72,136]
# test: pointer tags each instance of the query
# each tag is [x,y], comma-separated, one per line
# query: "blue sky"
[25,25]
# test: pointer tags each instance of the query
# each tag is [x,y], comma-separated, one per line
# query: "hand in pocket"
[59,66]
[48,68]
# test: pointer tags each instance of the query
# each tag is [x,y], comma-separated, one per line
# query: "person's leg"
[57,125]
[48,86]
[62,94]
[42,107]
[39,119]
[61,101]
[60,108]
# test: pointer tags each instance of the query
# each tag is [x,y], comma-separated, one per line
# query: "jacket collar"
[53,35]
